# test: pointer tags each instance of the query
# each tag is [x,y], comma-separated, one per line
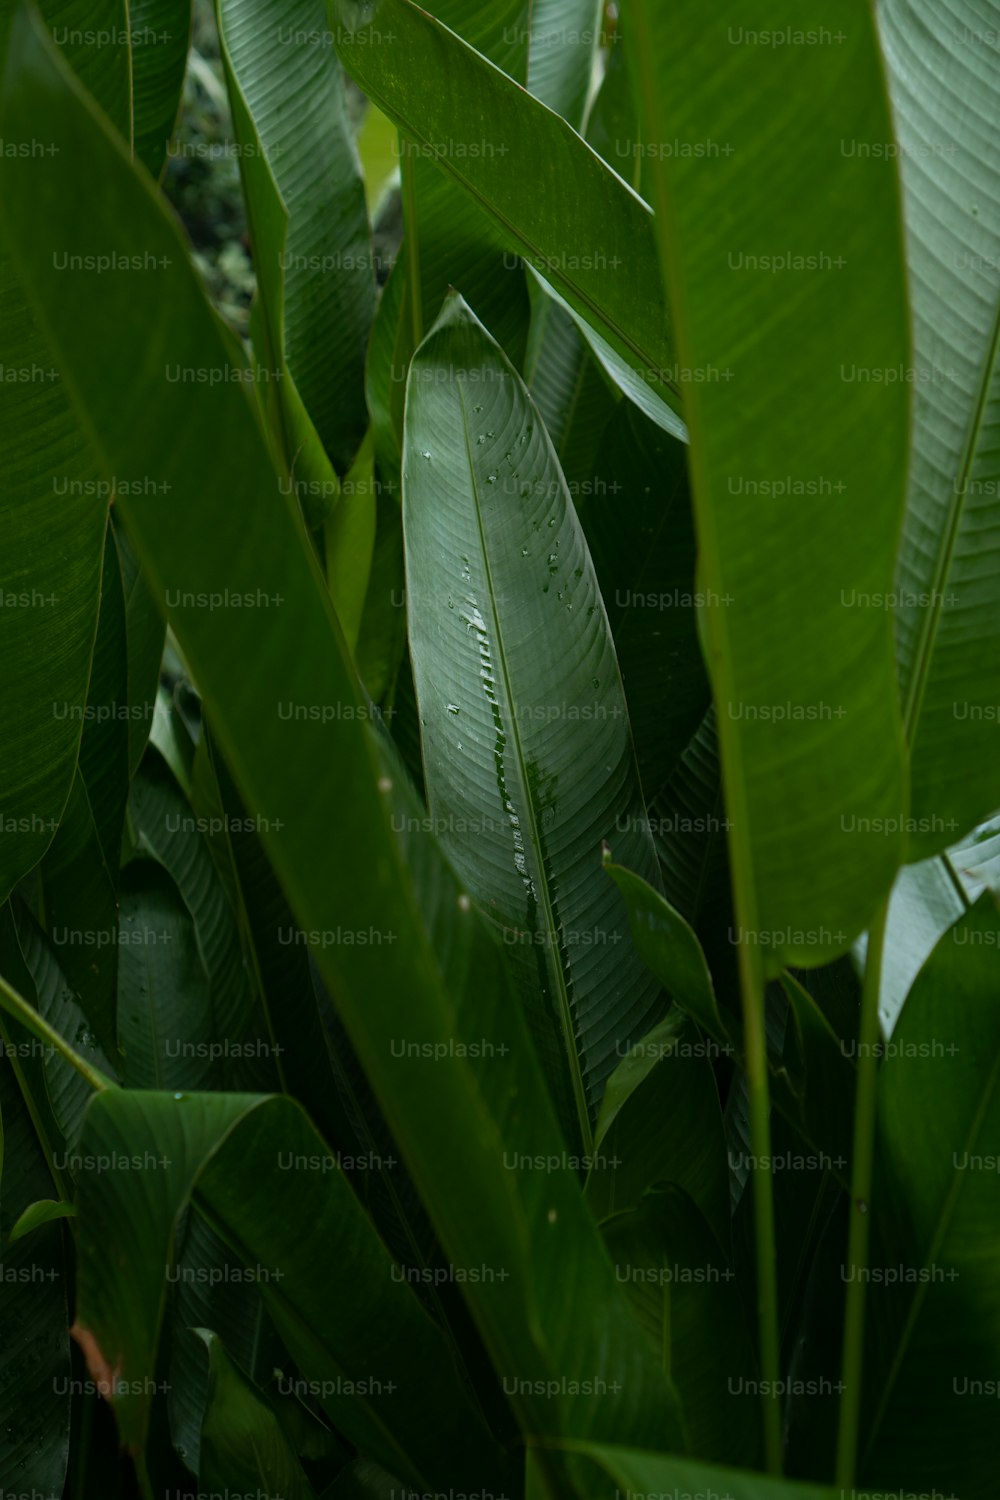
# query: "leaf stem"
[19,1008]
[758,1088]
[861,1187]
[411,240]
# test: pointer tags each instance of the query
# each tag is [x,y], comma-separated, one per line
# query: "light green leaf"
[777,295]
[243,1447]
[44,1211]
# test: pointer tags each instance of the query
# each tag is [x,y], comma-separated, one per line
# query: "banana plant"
[500,799]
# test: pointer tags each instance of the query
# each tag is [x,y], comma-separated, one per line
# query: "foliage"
[500,840]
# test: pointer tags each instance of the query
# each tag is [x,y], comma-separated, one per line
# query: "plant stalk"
[862,1169]
[408,192]
[758,1087]
[19,1008]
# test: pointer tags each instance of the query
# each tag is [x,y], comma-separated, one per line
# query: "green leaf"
[316,282]
[656,1473]
[946,94]
[661,1122]
[636,511]
[96,41]
[243,1446]
[545,189]
[691,1306]
[145,632]
[636,386]
[270,1187]
[780,293]
[566,384]
[565,38]
[165,827]
[926,900]
[164,999]
[431,944]
[813,1083]
[81,910]
[496,564]
[932,1321]
[43,1212]
[48,486]
[34,1348]
[160,34]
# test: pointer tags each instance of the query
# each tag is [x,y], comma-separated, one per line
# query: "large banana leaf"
[204,440]
[945,89]
[512,654]
[784,291]
[543,186]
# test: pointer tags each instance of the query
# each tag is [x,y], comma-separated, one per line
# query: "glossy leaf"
[496,565]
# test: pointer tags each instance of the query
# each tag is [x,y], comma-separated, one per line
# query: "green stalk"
[861,1190]
[411,241]
[29,1018]
[758,1088]
[656,126]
